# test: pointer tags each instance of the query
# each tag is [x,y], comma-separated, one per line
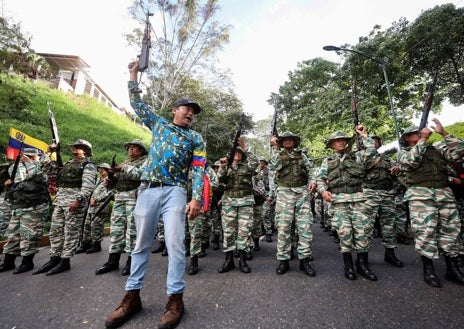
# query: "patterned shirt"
[173,150]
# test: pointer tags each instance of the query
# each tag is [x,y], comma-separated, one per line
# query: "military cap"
[264,160]
[104,165]
[86,146]
[337,135]
[239,149]
[187,102]
[217,164]
[376,137]
[30,151]
[139,143]
[410,130]
[288,134]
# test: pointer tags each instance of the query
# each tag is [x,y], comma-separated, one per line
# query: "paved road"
[261,299]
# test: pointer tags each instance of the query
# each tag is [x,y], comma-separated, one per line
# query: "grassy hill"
[23,105]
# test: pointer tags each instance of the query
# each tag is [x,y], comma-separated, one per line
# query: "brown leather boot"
[172,313]
[130,305]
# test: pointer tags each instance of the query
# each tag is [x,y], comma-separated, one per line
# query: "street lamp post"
[383,65]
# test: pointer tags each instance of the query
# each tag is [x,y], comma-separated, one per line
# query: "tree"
[185,42]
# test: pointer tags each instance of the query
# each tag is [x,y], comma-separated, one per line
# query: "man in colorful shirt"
[174,150]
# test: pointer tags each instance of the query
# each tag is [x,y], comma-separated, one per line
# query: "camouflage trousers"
[321,209]
[293,205]
[401,215]
[65,228]
[195,233]
[353,225]
[5,214]
[237,223]
[381,203]
[122,223]
[25,230]
[94,226]
[216,222]
[436,227]
[268,216]
[160,230]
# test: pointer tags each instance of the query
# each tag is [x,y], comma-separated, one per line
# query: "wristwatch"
[80,198]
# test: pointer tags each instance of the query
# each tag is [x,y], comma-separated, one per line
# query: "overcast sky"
[268,39]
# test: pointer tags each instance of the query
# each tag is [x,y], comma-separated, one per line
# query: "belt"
[155,184]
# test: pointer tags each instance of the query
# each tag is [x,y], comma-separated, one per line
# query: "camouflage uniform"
[432,206]
[75,181]
[5,210]
[237,208]
[29,209]
[341,174]
[260,195]
[292,177]
[216,207]
[122,222]
[378,187]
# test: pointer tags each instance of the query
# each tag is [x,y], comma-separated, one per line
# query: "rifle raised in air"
[428,102]
[235,142]
[56,139]
[14,171]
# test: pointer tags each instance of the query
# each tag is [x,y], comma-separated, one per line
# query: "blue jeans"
[168,202]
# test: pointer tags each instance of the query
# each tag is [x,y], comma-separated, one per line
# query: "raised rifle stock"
[56,138]
[428,102]
[144,56]
[235,142]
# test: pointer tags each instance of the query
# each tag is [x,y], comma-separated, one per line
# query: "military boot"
[8,263]
[165,251]
[390,258]
[26,265]
[54,260]
[335,236]
[130,305]
[453,273]
[306,267]
[429,273]
[229,264]
[215,242]
[256,243]
[126,270]
[111,265]
[172,313]
[362,267]
[283,267]
[350,274]
[193,269]
[83,247]
[160,248]
[96,247]
[268,237]
[242,264]
[63,265]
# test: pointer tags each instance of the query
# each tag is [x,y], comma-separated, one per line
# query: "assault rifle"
[106,201]
[274,131]
[428,102]
[14,171]
[354,111]
[56,139]
[235,142]
[144,56]
[111,178]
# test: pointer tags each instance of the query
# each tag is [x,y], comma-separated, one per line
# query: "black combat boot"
[111,265]
[242,264]
[306,267]
[193,269]
[256,247]
[335,236]
[248,255]
[283,267]
[229,264]
[83,247]
[215,242]
[126,270]
[453,273]
[54,260]
[362,267]
[26,265]
[350,274]
[96,247]
[268,237]
[8,263]
[390,258]
[160,248]
[63,265]
[429,273]
[165,251]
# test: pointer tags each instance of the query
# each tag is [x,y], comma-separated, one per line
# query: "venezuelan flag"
[18,140]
